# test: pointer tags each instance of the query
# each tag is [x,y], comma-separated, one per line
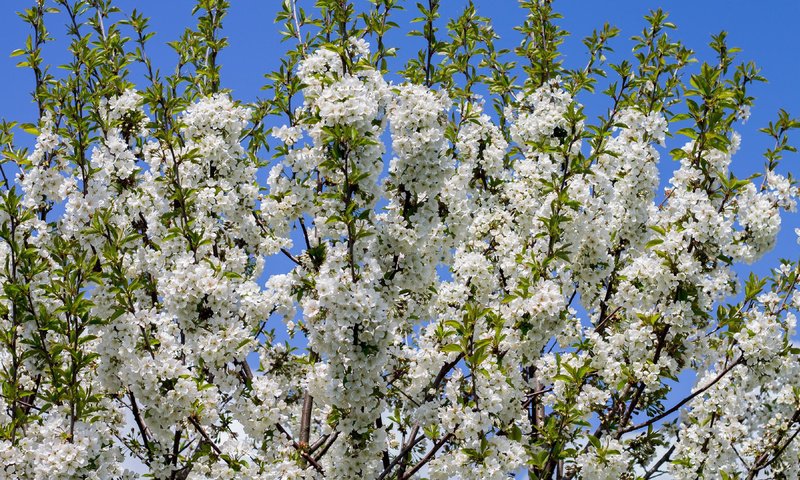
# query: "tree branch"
[300,450]
[686,400]
[427,458]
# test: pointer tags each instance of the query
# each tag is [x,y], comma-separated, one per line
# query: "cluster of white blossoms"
[436,272]
[44,180]
[603,462]
[43,453]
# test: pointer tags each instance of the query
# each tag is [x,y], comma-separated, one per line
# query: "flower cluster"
[469,294]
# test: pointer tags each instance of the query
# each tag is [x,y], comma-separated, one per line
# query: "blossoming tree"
[485,283]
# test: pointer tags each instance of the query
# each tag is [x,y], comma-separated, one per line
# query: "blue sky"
[766,34]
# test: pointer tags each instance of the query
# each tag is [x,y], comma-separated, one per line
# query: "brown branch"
[290,256]
[404,460]
[762,463]
[686,400]
[137,416]
[300,450]
[412,442]
[532,395]
[385,453]
[652,471]
[327,446]
[305,420]
[320,441]
[637,396]
[308,408]
[202,432]
[427,458]
[413,439]
[443,373]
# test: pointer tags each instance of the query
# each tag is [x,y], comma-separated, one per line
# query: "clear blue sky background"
[766,32]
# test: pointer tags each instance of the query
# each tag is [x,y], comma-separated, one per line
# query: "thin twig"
[686,400]
[428,456]
[401,455]
[652,471]
[300,450]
